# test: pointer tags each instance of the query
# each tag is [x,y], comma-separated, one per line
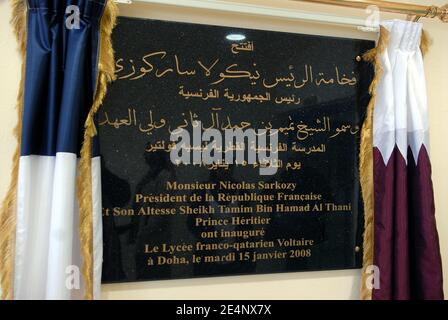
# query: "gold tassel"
[366,162]
[8,209]
[106,74]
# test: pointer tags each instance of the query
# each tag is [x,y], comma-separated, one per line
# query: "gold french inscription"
[123,212]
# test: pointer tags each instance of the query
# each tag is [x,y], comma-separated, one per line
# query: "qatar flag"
[406,246]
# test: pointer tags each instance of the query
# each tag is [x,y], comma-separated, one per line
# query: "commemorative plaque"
[181,91]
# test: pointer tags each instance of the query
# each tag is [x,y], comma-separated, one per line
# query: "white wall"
[305,285]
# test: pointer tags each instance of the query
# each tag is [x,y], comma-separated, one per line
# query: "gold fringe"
[8,212]
[106,74]
[425,43]
[366,162]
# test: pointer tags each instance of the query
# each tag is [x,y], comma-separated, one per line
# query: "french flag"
[53,245]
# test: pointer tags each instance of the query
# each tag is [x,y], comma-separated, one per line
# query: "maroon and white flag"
[406,245]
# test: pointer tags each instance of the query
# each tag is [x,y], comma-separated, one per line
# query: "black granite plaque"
[164,220]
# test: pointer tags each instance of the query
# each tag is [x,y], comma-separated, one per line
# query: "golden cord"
[8,209]
[366,162]
[106,74]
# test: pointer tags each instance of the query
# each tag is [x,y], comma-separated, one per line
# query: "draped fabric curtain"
[401,237]
[52,236]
